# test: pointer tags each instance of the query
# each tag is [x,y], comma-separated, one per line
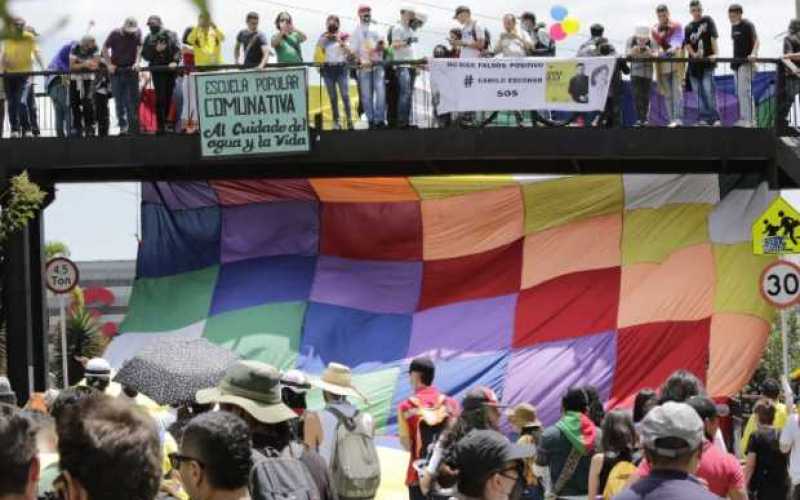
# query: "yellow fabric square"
[561,201]
[653,234]
[470,224]
[436,186]
[738,272]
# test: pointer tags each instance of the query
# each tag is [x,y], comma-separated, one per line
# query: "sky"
[101,221]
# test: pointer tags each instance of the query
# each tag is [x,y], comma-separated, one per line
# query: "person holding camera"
[403,39]
[640,46]
[336,54]
[287,40]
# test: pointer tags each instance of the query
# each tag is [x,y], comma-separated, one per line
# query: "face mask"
[332,28]
[155,29]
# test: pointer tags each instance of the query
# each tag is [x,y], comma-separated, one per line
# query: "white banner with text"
[554,84]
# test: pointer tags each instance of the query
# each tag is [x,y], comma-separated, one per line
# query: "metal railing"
[770,93]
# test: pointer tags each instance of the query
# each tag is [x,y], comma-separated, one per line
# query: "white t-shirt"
[364,42]
[790,440]
[469,34]
[403,33]
[334,53]
[510,46]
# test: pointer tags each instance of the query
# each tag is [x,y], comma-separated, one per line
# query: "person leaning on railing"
[122,52]
[161,49]
[791,55]
[83,62]
[58,89]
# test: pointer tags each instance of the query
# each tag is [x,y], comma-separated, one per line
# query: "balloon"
[558,12]
[571,25]
[557,32]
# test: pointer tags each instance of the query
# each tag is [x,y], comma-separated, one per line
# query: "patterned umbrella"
[171,371]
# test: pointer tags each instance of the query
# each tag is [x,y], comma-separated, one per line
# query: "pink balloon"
[557,32]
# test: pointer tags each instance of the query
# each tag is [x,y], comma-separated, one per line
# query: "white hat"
[337,379]
[296,381]
[642,31]
[98,368]
[407,8]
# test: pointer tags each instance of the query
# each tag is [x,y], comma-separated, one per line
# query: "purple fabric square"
[179,195]
[268,229]
[375,286]
[542,374]
[477,326]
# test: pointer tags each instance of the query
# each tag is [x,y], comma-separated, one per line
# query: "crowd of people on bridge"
[252,436]
[100,71]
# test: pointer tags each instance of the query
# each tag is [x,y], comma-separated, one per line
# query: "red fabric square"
[488,274]
[648,354]
[372,231]
[242,192]
[573,305]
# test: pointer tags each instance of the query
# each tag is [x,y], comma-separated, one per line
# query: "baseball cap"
[296,381]
[6,394]
[254,387]
[671,420]
[364,8]
[482,452]
[98,368]
[478,397]
[460,9]
[130,25]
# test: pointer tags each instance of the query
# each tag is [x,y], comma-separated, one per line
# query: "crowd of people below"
[252,436]
[110,69]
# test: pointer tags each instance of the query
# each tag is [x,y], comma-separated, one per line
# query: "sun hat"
[337,379]
[254,387]
[523,415]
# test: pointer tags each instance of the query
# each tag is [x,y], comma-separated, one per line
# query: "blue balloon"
[558,12]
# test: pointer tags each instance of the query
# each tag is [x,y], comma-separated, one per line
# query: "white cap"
[98,368]
[407,8]
[642,31]
[296,381]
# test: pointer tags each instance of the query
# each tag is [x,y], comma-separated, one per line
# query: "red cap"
[364,8]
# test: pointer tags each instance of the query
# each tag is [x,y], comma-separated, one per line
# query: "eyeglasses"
[514,469]
[175,460]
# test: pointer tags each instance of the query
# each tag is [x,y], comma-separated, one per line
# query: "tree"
[771,365]
[54,249]
[20,203]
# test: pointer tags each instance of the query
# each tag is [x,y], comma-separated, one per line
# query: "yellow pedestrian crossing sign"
[777,230]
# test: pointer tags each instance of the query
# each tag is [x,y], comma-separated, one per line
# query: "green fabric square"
[171,302]
[653,234]
[738,273]
[269,333]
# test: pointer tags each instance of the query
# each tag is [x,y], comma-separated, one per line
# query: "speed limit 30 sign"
[780,284]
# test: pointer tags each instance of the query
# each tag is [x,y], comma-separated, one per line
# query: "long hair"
[619,434]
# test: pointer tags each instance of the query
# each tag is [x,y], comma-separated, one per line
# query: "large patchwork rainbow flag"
[528,285]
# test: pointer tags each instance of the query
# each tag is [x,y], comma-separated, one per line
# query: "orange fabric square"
[737,340]
[583,245]
[471,224]
[375,189]
[679,289]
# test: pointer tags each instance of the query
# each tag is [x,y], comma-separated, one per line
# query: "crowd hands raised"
[112,69]
[252,436]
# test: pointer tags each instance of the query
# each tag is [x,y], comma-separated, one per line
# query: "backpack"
[487,39]
[433,421]
[354,464]
[618,479]
[281,476]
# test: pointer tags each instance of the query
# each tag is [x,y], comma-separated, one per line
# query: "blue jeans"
[373,93]
[125,87]
[59,94]
[17,88]
[403,96]
[336,83]
[706,91]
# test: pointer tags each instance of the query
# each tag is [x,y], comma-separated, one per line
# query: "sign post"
[62,277]
[780,286]
[253,112]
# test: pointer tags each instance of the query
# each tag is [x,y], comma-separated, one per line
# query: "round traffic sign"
[61,275]
[780,284]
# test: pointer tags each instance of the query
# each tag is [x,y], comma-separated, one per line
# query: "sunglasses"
[176,459]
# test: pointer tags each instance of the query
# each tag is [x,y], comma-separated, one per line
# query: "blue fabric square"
[253,282]
[361,340]
[175,242]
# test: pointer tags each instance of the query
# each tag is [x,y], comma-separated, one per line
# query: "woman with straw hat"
[523,418]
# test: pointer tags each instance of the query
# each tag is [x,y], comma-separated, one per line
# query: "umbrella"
[172,371]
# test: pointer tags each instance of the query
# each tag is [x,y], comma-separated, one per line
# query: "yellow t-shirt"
[778,422]
[18,53]
[207,46]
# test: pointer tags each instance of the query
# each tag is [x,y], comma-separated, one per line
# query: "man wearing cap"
[720,470]
[672,437]
[320,428]
[403,40]
[567,447]
[490,467]
[7,396]
[122,52]
[161,48]
[368,47]
[98,374]
[427,409]
[640,46]
[252,390]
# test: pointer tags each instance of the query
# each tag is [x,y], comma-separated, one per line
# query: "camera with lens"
[412,40]
[604,49]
